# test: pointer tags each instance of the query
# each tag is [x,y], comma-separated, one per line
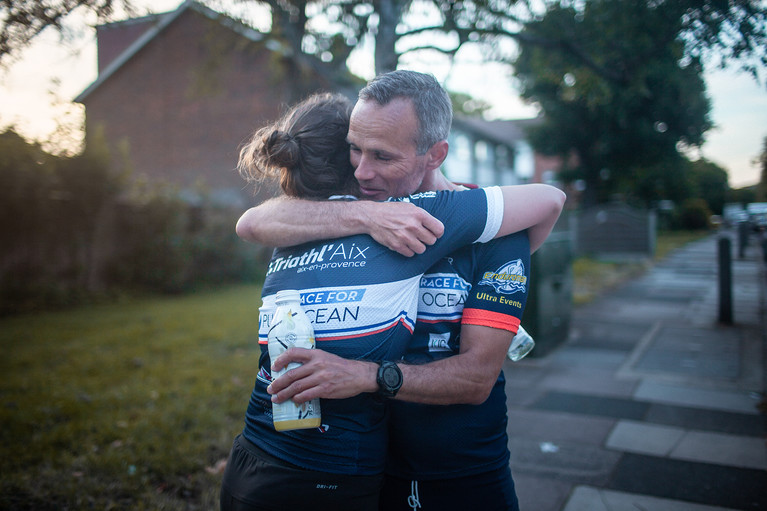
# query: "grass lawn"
[126,406]
[133,406]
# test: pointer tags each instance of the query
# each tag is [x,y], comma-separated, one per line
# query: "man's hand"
[322,375]
[402,226]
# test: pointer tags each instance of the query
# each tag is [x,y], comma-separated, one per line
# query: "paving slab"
[572,356]
[597,381]
[517,397]
[685,417]
[540,493]
[563,461]
[639,312]
[601,406]
[700,483]
[547,426]
[613,337]
[722,449]
[709,398]
[525,373]
[585,498]
[693,352]
[639,437]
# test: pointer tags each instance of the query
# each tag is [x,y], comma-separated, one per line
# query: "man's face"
[383,149]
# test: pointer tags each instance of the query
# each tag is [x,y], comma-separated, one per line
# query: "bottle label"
[291,328]
[289,411]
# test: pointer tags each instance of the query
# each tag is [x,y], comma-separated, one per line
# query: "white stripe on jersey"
[494,213]
[341,312]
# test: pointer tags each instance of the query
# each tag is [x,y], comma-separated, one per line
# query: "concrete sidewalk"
[651,404]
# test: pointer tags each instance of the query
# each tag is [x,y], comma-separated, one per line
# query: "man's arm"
[466,378]
[283,222]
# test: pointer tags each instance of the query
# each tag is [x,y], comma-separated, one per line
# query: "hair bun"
[281,149]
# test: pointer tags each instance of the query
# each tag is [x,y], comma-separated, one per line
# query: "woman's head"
[306,149]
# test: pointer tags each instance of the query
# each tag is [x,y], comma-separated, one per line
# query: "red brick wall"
[114,38]
[186,101]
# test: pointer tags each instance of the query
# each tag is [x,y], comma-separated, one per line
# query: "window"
[485,164]
[457,165]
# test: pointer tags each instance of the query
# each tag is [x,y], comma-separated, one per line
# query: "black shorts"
[490,491]
[256,481]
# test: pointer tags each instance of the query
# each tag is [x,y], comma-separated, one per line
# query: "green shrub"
[694,215]
[171,245]
[73,230]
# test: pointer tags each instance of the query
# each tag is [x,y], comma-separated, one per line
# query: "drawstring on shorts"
[412,500]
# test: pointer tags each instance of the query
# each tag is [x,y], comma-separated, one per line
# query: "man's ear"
[436,154]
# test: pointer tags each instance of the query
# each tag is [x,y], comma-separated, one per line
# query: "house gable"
[113,39]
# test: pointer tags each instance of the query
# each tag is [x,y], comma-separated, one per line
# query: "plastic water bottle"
[290,327]
[521,345]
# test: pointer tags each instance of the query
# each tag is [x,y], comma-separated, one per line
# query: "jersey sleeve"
[471,216]
[500,285]
[494,213]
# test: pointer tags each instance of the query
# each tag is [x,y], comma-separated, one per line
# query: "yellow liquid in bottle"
[313,422]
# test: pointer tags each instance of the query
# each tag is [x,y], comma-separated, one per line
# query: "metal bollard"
[725,282]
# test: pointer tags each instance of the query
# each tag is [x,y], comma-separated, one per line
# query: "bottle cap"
[287,295]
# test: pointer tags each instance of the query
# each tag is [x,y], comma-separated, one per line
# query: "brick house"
[180,91]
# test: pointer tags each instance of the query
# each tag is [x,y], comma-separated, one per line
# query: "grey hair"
[433,108]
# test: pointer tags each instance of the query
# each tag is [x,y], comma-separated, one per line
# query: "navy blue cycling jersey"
[486,285]
[362,301]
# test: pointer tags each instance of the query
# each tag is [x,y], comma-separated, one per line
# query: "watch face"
[391,377]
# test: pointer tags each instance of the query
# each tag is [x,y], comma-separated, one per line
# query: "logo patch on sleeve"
[508,279]
[439,342]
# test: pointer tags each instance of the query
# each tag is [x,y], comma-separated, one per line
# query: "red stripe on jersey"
[431,321]
[491,319]
[351,336]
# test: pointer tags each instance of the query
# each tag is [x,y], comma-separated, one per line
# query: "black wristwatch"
[389,379]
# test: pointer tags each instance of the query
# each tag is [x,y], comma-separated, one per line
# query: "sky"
[36,93]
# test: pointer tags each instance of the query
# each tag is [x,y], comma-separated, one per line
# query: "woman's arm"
[535,207]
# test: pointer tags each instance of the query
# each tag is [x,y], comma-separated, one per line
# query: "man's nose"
[364,170]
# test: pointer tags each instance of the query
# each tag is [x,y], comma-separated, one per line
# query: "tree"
[761,187]
[26,180]
[709,182]
[743,195]
[323,33]
[625,126]
[23,20]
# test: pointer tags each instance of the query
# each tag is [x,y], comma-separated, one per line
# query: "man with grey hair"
[398,140]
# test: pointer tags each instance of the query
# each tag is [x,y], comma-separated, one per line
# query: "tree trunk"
[389,15]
